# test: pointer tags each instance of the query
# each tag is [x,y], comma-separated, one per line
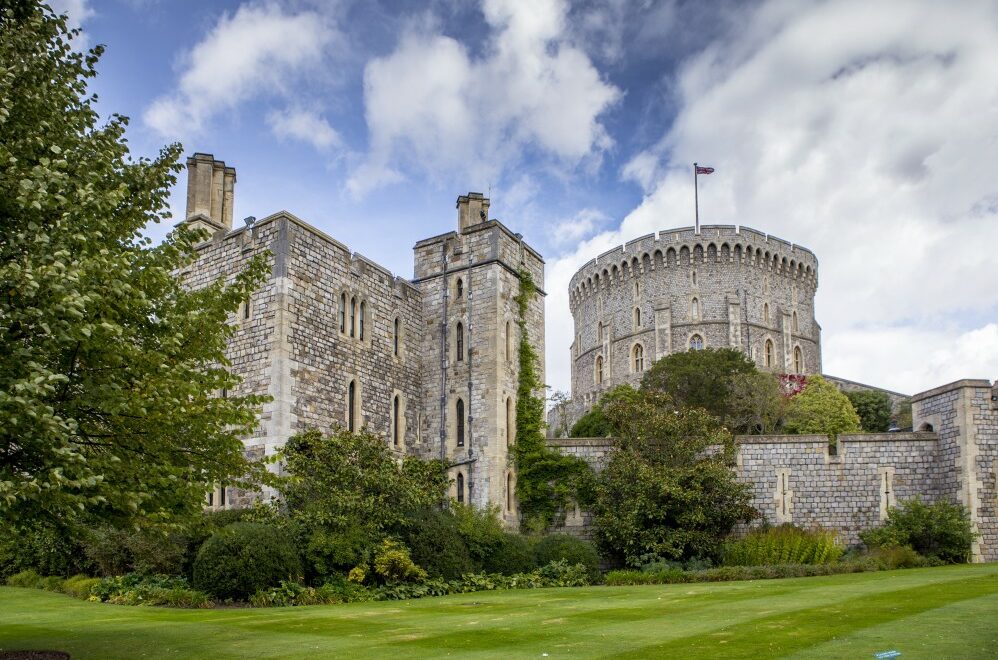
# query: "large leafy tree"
[873,408]
[821,408]
[108,365]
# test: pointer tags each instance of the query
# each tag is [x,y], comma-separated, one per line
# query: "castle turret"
[210,188]
[472,209]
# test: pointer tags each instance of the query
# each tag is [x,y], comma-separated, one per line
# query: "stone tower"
[469,280]
[210,189]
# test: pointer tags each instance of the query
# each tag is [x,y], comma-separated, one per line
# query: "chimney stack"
[472,209]
[210,189]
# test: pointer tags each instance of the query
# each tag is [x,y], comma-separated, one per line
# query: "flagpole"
[696,199]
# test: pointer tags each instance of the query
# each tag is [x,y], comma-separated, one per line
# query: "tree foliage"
[595,423]
[941,530]
[873,408]
[109,365]
[821,408]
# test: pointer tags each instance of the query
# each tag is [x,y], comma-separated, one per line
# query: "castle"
[430,362]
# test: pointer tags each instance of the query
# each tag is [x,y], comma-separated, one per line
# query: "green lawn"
[949,612]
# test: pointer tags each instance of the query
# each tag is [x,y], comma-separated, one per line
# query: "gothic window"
[395,337]
[353,317]
[798,361]
[460,487]
[637,317]
[696,343]
[459,410]
[637,288]
[509,422]
[221,497]
[460,342]
[795,322]
[352,406]
[769,353]
[598,372]
[509,341]
[343,312]
[695,309]
[639,358]
[599,331]
[765,313]
[363,311]
[460,288]
[509,492]
[395,421]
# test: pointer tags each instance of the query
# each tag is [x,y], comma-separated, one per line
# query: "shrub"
[243,558]
[481,530]
[514,555]
[785,544]
[562,547]
[79,586]
[394,565]
[437,545]
[135,589]
[28,579]
[46,548]
[941,530]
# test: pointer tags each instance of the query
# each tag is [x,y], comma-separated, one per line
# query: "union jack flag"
[705,170]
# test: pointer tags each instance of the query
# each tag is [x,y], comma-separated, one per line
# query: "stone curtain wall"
[733,275]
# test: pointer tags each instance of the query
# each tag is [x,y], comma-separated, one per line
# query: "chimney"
[472,209]
[210,189]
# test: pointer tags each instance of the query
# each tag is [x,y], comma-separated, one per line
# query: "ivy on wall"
[546,480]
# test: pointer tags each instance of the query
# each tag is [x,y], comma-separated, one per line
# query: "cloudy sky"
[865,131]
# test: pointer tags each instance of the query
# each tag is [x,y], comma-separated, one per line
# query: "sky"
[864,131]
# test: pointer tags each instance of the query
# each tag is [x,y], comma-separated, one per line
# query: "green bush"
[562,547]
[291,594]
[437,544]
[27,579]
[941,530]
[481,529]
[135,589]
[393,564]
[785,544]
[243,558]
[514,555]
[47,548]
[79,586]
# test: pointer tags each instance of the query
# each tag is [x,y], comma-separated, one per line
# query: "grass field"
[949,612]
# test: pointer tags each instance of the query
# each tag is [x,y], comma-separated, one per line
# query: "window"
[363,311]
[796,329]
[509,341]
[395,421]
[509,422]
[460,342]
[225,393]
[769,353]
[460,487]
[460,422]
[353,317]
[765,313]
[696,343]
[221,497]
[695,309]
[637,317]
[460,288]
[798,361]
[639,358]
[246,309]
[599,331]
[343,312]
[395,337]
[598,372]
[351,405]
[211,499]
[637,288]
[509,491]
[693,278]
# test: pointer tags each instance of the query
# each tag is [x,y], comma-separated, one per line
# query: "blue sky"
[867,132]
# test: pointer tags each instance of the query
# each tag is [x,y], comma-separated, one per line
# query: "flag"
[705,170]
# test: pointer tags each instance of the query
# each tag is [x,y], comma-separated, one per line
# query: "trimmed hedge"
[243,558]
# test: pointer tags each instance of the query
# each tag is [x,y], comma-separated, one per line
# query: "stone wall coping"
[581,442]
[481,226]
[915,436]
[949,387]
[869,387]
[780,439]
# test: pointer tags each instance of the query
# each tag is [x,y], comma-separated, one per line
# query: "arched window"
[598,371]
[460,342]
[769,353]
[353,317]
[460,487]
[509,341]
[459,410]
[460,288]
[695,309]
[798,361]
[509,491]
[765,313]
[639,358]
[395,337]
[599,331]
[351,406]
[221,495]
[363,311]
[696,343]
[395,421]
[637,317]
[796,329]
[509,422]
[637,288]
[246,309]
[343,312]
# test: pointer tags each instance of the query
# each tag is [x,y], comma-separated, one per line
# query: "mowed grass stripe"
[787,615]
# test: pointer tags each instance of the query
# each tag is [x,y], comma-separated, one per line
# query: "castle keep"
[335,339]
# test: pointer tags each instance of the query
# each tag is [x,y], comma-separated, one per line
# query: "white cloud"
[258,49]
[576,228]
[433,106]
[867,133]
[304,125]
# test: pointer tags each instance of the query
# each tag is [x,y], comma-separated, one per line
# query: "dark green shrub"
[27,579]
[107,549]
[243,558]
[562,547]
[47,548]
[785,544]
[437,545]
[514,555]
[79,586]
[481,529]
[941,530]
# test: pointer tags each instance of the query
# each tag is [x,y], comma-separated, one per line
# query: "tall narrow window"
[353,317]
[509,492]
[637,317]
[395,421]
[695,309]
[460,487]
[351,405]
[599,331]
[459,409]
[696,343]
[460,288]
[769,353]
[395,338]
[798,361]
[509,341]
[211,499]
[246,309]
[639,358]
[509,422]
[765,313]
[221,497]
[363,312]
[343,312]
[694,278]
[796,329]
[599,370]
[460,342]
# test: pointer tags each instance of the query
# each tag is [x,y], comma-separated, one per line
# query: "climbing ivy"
[546,480]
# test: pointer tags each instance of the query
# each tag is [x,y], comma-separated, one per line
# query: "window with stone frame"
[343,313]
[459,421]
[598,370]
[768,353]
[353,316]
[696,343]
[460,288]
[353,406]
[460,487]
[509,341]
[638,361]
[363,313]
[637,318]
[396,336]
[798,360]
[459,342]
[396,427]
[695,309]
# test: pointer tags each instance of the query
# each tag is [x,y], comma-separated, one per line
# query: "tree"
[756,403]
[595,424]
[942,530]
[873,408]
[821,408]
[345,492]
[668,491]
[109,369]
